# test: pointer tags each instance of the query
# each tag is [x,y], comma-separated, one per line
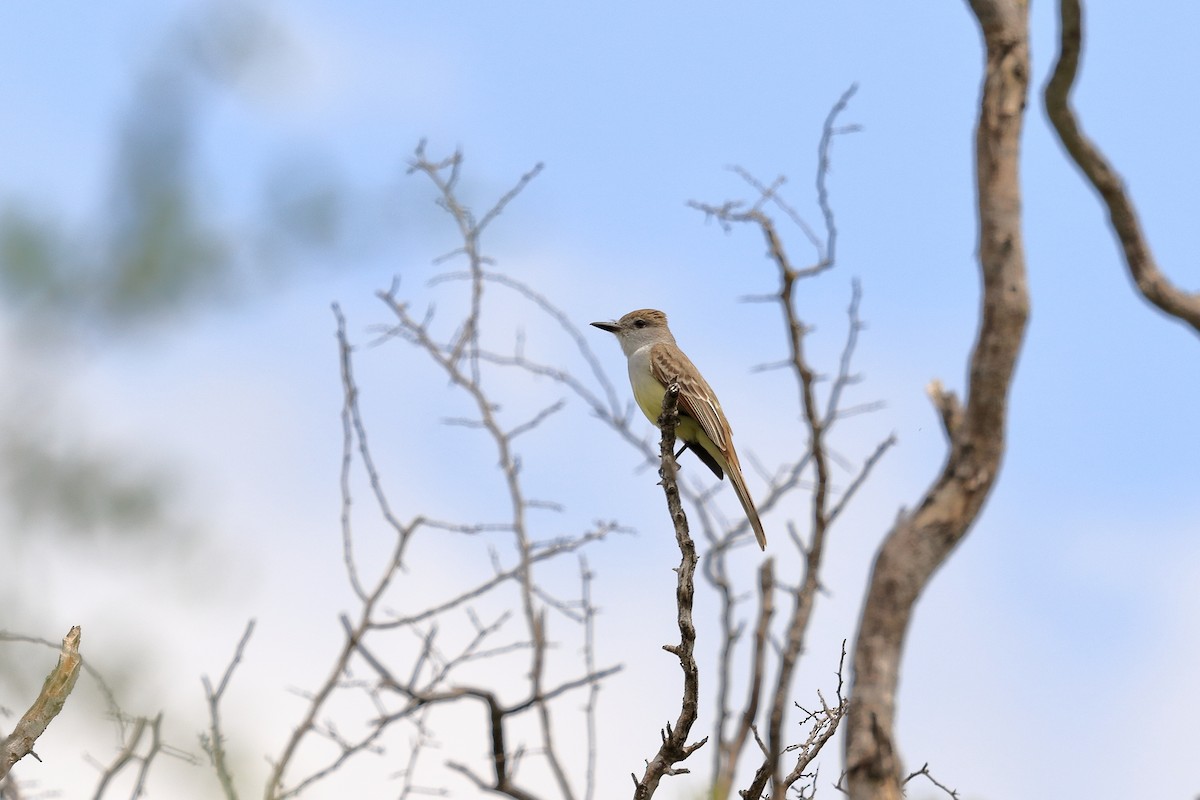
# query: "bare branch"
[948,408]
[213,744]
[497,713]
[861,477]
[771,193]
[844,376]
[828,132]
[464,360]
[819,419]
[50,700]
[558,316]
[508,197]
[919,543]
[537,419]
[804,595]
[1143,268]
[924,770]
[548,552]
[727,763]
[129,755]
[674,746]
[589,662]
[353,429]
[824,725]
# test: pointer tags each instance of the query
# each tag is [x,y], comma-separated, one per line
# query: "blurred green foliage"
[158,248]
[79,491]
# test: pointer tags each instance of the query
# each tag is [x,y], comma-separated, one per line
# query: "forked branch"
[816,462]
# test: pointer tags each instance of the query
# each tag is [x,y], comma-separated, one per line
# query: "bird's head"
[638,329]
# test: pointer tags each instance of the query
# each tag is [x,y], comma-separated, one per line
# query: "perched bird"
[655,362]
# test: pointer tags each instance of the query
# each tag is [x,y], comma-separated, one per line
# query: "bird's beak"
[611,327]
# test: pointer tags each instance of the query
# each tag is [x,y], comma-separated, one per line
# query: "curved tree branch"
[1143,269]
[920,542]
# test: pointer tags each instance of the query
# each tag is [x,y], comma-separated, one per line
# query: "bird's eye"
[641,323]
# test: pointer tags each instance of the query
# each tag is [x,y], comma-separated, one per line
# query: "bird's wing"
[696,397]
[698,400]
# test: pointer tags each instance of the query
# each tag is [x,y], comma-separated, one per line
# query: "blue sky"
[1052,656]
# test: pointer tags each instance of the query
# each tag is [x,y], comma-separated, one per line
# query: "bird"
[656,362]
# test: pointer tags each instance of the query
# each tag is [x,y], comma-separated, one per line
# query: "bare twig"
[275,789]
[214,742]
[129,755]
[428,677]
[861,477]
[470,380]
[543,553]
[828,132]
[924,770]
[824,725]
[817,461]
[555,313]
[589,661]
[354,430]
[732,749]
[503,781]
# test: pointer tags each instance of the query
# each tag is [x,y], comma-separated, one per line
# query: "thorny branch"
[819,419]
[823,724]
[675,748]
[428,677]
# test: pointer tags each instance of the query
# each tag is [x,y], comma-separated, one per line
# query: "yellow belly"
[648,393]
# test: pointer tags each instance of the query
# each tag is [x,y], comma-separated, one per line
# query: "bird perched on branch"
[656,362]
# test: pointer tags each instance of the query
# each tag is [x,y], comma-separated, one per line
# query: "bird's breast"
[647,391]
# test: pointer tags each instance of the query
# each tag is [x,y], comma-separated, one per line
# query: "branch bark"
[45,708]
[921,541]
[674,746]
[1143,268]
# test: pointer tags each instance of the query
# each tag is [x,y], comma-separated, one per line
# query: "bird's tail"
[734,470]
